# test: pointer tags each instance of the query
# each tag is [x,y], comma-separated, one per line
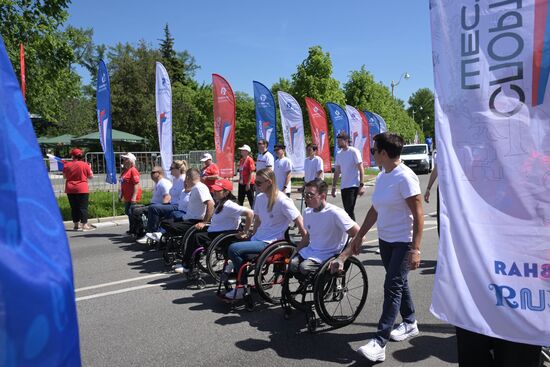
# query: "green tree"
[422,103]
[180,66]
[49,52]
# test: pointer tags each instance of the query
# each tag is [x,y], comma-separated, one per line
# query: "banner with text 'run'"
[266,115]
[491,66]
[319,131]
[293,130]
[224,125]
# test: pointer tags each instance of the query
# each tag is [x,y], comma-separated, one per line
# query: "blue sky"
[247,40]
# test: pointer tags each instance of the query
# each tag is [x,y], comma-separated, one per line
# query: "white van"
[417,157]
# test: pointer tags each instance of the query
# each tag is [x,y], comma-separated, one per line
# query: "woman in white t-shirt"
[273,213]
[397,210]
[226,219]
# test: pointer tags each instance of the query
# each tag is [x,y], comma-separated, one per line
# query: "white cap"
[246,147]
[206,156]
[129,156]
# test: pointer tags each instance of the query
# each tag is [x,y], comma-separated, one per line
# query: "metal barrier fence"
[145,161]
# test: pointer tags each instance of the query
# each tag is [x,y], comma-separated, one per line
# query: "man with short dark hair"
[283,170]
[328,228]
[313,164]
[265,158]
[349,164]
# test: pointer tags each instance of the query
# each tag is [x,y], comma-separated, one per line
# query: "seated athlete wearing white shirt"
[273,213]
[226,218]
[327,226]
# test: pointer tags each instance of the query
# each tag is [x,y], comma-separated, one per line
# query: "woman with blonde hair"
[273,213]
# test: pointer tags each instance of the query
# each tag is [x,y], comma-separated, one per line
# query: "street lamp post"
[394,84]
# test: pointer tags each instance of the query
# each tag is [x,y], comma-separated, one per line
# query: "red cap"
[222,184]
[75,152]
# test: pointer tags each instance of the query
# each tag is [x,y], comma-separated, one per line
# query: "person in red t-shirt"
[76,173]
[247,167]
[210,172]
[130,189]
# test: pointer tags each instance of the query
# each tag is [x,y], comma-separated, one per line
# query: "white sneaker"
[236,293]
[373,351]
[229,267]
[403,331]
[181,269]
[377,250]
[155,236]
[142,240]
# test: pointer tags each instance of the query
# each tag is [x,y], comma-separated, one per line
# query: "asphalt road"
[133,313]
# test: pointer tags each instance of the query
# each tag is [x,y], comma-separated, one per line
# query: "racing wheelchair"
[268,269]
[336,298]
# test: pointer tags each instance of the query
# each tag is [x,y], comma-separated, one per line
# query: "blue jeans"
[397,295]
[156,213]
[241,251]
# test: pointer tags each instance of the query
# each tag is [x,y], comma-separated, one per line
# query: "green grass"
[100,205]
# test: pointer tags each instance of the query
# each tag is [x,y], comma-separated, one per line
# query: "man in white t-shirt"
[327,226]
[265,158]
[199,208]
[313,164]
[283,170]
[397,210]
[349,164]
[161,195]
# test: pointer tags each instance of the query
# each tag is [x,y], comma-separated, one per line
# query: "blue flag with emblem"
[38,324]
[266,115]
[339,120]
[105,122]
[374,129]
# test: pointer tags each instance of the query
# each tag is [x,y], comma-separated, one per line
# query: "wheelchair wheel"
[339,298]
[270,269]
[169,253]
[185,239]
[217,253]
[298,291]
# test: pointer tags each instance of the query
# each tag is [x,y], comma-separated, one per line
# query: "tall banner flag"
[164,116]
[293,130]
[355,127]
[339,122]
[38,323]
[366,140]
[224,125]
[374,129]
[491,67]
[319,131]
[266,115]
[104,121]
[381,123]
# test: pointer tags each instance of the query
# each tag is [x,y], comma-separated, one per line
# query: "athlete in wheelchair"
[265,252]
[226,220]
[310,284]
[197,214]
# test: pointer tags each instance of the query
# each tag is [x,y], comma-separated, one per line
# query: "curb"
[101,222]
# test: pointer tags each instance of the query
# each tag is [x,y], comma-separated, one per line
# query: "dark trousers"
[397,295]
[349,197]
[156,213]
[136,220]
[475,350]
[177,228]
[79,207]
[200,239]
[249,194]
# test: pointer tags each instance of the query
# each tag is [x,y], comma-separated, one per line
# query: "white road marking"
[125,290]
[156,275]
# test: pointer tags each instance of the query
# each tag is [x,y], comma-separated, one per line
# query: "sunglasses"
[260,183]
[309,195]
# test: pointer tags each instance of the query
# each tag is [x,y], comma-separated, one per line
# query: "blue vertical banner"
[38,323]
[104,120]
[381,123]
[339,120]
[374,128]
[266,115]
